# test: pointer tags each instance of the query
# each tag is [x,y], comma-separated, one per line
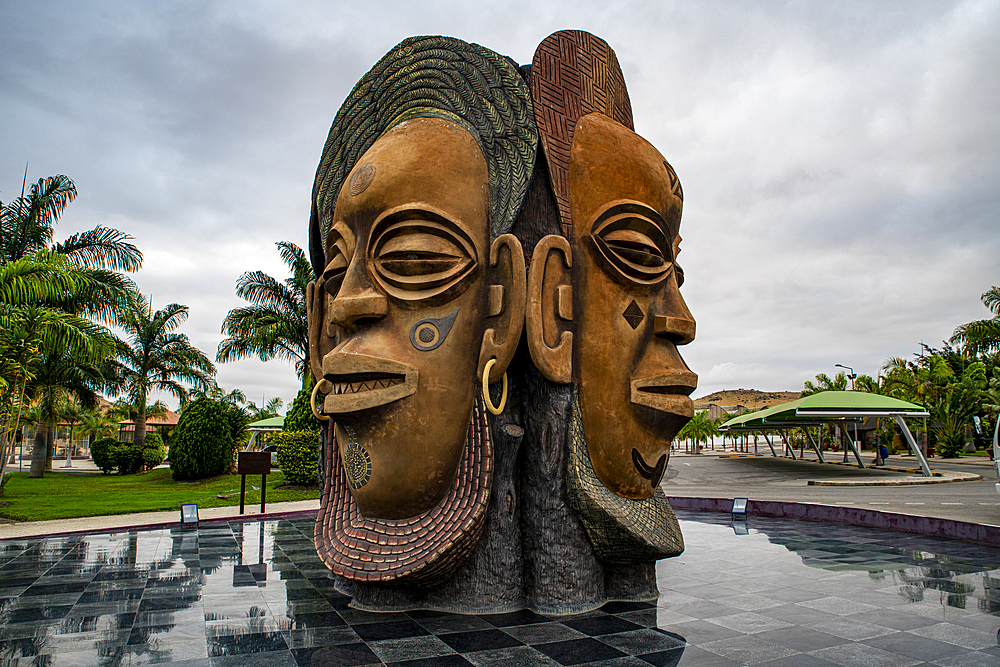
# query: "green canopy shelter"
[832,407]
[263,426]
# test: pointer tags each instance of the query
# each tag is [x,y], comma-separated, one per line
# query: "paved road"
[767,478]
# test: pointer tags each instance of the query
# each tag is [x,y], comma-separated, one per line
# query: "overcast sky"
[840,160]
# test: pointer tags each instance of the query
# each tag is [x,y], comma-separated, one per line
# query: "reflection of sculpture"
[428,500]
[425,164]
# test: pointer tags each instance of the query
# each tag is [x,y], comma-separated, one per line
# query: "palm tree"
[26,224]
[919,382]
[982,336]
[56,378]
[271,409]
[48,291]
[824,383]
[152,357]
[699,429]
[275,326]
[34,340]
[98,424]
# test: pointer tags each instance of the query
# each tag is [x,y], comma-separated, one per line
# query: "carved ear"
[505,310]
[315,316]
[550,308]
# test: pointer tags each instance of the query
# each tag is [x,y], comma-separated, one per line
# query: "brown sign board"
[254,463]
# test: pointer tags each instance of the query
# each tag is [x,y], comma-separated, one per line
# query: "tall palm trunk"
[139,439]
[50,445]
[40,450]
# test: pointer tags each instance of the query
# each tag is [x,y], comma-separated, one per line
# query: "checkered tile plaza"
[768,592]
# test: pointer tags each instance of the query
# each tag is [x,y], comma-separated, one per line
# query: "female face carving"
[404,310]
[633,384]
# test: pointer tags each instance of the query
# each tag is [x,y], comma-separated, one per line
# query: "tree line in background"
[958,384]
[73,326]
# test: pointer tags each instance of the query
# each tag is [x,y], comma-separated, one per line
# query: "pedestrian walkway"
[118,522]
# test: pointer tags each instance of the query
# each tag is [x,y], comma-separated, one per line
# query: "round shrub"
[127,457]
[100,452]
[299,416]
[202,445]
[298,456]
[153,453]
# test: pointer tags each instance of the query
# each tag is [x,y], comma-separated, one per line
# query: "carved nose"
[678,330]
[352,311]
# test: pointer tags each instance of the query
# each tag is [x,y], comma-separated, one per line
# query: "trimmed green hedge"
[299,417]
[153,453]
[101,453]
[203,444]
[127,457]
[298,456]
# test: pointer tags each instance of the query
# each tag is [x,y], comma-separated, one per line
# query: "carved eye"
[634,247]
[419,252]
[634,244]
[336,267]
[416,257]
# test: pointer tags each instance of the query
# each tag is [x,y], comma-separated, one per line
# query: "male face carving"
[633,384]
[406,307]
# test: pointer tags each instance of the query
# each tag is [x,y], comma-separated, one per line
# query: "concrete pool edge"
[856,516]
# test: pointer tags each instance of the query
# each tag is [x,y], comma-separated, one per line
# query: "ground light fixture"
[189,514]
[740,508]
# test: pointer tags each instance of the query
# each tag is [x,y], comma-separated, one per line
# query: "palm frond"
[36,278]
[102,248]
[274,326]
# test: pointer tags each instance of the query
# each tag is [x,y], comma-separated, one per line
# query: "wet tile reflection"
[255,593]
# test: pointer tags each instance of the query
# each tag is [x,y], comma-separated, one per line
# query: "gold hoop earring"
[312,402]
[486,388]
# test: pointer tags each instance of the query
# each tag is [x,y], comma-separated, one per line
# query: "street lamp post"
[850,376]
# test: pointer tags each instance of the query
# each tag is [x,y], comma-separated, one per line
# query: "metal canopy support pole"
[913,444]
[768,441]
[854,446]
[813,443]
[788,446]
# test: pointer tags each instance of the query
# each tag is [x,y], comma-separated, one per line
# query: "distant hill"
[750,398]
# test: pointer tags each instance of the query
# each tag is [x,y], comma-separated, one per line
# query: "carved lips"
[666,392]
[361,381]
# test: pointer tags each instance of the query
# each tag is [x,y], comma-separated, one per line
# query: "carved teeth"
[357,387]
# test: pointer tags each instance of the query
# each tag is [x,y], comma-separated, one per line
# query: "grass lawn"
[66,495]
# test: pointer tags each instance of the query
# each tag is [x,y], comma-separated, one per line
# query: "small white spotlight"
[189,515]
[740,508]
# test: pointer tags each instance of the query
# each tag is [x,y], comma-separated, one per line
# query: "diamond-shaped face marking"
[633,314]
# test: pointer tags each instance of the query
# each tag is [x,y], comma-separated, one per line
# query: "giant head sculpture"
[604,307]
[419,302]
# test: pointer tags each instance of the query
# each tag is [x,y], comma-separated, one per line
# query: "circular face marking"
[357,462]
[430,332]
[362,177]
[427,333]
